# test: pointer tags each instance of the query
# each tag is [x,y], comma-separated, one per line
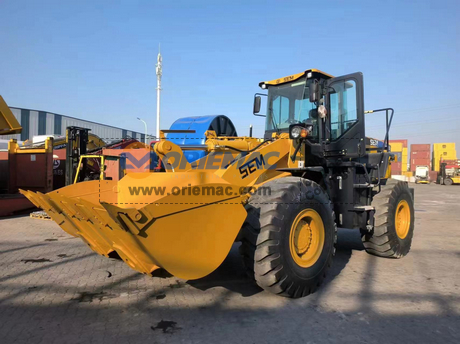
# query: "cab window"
[281,109]
[343,105]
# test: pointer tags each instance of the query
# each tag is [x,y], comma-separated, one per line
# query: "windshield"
[288,104]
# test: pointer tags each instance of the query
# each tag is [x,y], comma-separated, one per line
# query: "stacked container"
[404,159]
[444,152]
[420,155]
[399,147]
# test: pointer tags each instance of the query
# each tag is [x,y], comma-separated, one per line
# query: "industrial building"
[35,122]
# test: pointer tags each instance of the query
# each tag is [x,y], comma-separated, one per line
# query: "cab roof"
[295,77]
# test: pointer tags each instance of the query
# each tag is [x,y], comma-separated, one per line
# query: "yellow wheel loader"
[282,196]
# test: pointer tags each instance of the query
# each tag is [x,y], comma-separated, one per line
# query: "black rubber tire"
[383,241]
[265,237]
[448,181]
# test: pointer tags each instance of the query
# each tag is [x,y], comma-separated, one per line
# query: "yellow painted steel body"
[402,219]
[184,220]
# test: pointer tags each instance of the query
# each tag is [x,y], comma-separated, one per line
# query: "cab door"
[345,133]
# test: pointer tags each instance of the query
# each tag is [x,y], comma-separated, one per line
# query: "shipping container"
[433,176]
[408,174]
[3,172]
[420,147]
[446,155]
[450,162]
[436,163]
[396,168]
[396,147]
[444,146]
[420,155]
[404,142]
[420,162]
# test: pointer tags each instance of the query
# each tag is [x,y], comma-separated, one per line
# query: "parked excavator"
[282,196]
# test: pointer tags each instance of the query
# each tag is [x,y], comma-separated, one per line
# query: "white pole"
[145,125]
[159,73]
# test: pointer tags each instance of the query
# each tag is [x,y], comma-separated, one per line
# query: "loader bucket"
[186,225]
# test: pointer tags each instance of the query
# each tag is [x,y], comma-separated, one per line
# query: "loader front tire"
[289,237]
[393,222]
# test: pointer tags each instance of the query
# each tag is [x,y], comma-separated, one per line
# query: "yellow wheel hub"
[402,219]
[306,240]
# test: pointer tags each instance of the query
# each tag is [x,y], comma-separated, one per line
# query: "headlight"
[300,131]
[296,132]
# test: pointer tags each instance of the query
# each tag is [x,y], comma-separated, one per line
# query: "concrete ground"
[53,289]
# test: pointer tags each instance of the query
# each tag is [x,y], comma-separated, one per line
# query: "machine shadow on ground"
[231,273]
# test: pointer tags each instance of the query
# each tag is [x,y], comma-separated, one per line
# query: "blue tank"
[221,124]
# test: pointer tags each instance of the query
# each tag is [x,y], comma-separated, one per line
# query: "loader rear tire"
[394,222]
[288,238]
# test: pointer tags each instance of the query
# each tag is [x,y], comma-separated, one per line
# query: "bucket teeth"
[52,209]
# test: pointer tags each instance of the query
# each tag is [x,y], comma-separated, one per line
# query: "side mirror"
[257,102]
[314,92]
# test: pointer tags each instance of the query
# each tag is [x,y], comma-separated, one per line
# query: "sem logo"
[374,142]
[251,166]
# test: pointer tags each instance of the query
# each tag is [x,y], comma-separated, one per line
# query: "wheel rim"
[306,239]
[402,219]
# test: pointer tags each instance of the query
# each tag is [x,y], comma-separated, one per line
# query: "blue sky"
[96,59]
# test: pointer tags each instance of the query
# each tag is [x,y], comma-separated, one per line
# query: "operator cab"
[324,116]
[288,102]
[331,109]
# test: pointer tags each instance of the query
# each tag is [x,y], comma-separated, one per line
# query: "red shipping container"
[420,155]
[420,162]
[420,147]
[450,162]
[396,168]
[433,176]
[404,142]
